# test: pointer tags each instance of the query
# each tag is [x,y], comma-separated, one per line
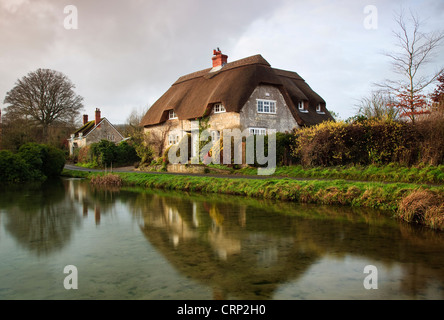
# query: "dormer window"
[219,108]
[301,106]
[319,109]
[172,115]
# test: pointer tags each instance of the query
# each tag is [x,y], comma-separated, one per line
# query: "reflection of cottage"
[248,94]
[93,131]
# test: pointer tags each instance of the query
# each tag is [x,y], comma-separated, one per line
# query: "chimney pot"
[85,119]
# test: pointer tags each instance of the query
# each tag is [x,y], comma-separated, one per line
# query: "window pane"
[272,107]
[260,106]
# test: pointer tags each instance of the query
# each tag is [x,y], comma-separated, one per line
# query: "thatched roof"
[192,95]
[91,125]
[86,128]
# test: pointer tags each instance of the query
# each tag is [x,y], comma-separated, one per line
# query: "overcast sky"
[125,54]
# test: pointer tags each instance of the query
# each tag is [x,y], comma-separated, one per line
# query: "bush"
[32,162]
[283,149]
[362,142]
[43,159]
[126,154]
[54,162]
[106,153]
[33,154]
[107,180]
[424,207]
[85,155]
[13,168]
[431,130]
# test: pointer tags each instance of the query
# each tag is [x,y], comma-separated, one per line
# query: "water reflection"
[238,248]
[37,216]
[246,250]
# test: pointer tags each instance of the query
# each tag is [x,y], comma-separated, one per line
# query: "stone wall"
[282,121]
[104,132]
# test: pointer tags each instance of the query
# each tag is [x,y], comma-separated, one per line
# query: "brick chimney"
[85,119]
[219,59]
[98,116]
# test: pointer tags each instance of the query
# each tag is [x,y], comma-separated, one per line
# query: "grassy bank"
[389,173]
[404,200]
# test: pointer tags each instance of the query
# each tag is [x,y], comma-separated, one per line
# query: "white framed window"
[301,106]
[266,106]
[319,109]
[257,131]
[172,115]
[173,138]
[219,108]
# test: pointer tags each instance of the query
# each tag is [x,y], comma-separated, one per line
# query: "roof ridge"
[255,59]
[288,74]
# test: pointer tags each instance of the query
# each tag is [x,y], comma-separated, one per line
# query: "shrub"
[126,154]
[85,155]
[104,152]
[107,180]
[13,168]
[362,142]
[283,149]
[423,206]
[43,160]
[431,130]
[322,145]
[33,154]
[32,162]
[54,162]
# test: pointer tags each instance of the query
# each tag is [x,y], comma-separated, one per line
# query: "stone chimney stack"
[85,119]
[219,59]
[98,116]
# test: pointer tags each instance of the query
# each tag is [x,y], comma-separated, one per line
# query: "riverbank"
[389,173]
[415,203]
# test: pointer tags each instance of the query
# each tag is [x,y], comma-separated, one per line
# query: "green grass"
[379,195]
[390,173]
[329,190]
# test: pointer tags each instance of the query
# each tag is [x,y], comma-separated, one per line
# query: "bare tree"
[378,105]
[132,125]
[44,97]
[416,50]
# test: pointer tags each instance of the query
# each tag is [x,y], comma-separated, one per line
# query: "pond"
[157,245]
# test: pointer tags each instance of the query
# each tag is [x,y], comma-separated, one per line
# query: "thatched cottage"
[93,131]
[245,94]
